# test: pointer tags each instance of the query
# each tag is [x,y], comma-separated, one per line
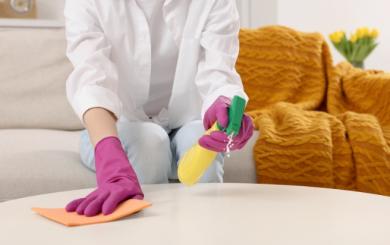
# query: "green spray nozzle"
[236,113]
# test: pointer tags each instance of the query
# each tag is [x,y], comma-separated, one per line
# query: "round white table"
[214,214]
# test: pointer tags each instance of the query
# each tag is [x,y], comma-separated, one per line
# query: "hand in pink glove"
[116,181]
[217,141]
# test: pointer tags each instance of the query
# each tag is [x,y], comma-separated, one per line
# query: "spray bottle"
[195,162]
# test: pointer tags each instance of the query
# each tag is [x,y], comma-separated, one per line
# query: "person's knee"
[187,136]
[148,148]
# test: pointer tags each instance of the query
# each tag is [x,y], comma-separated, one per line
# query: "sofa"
[39,132]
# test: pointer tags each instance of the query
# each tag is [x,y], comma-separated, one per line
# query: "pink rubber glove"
[116,181]
[217,141]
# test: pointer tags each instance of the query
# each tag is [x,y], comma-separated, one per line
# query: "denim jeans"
[154,153]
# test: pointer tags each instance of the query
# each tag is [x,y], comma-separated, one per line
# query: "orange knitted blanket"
[319,125]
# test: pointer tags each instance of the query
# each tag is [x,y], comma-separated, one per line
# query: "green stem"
[358,64]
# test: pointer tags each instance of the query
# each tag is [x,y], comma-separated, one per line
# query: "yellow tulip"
[374,33]
[337,36]
[341,33]
[336,39]
[359,33]
[333,37]
[354,38]
[362,32]
[366,32]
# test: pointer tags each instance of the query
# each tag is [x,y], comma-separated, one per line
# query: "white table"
[214,214]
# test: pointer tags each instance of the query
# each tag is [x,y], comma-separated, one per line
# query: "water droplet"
[229,145]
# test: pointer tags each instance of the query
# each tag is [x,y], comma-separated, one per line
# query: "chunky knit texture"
[319,125]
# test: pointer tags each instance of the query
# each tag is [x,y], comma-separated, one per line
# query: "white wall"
[324,16]
[243,7]
[255,13]
[263,12]
[331,15]
[50,9]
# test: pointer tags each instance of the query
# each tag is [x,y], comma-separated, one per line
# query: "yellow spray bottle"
[196,161]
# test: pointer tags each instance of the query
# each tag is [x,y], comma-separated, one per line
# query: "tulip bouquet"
[358,47]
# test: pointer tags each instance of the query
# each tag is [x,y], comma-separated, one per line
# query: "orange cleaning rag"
[60,215]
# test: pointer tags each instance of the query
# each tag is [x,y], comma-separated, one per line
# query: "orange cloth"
[319,125]
[60,215]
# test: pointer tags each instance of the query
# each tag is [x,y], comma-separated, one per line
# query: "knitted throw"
[319,125]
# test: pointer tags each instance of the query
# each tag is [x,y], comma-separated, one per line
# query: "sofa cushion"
[240,167]
[33,73]
[33,173]
[33,162]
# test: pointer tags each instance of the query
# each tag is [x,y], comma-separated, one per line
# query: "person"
[150,76]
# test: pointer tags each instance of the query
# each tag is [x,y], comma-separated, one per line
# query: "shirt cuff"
[93,96]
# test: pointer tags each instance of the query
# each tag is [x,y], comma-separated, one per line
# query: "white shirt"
[110,47]
[164,57]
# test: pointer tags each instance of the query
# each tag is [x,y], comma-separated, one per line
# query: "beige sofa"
[39,133]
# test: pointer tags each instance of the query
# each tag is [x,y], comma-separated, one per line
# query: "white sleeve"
[217,74]
[94,80]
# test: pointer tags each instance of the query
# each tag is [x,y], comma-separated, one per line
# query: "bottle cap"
[236,113]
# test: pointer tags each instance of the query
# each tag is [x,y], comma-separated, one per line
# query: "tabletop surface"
[214,214]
